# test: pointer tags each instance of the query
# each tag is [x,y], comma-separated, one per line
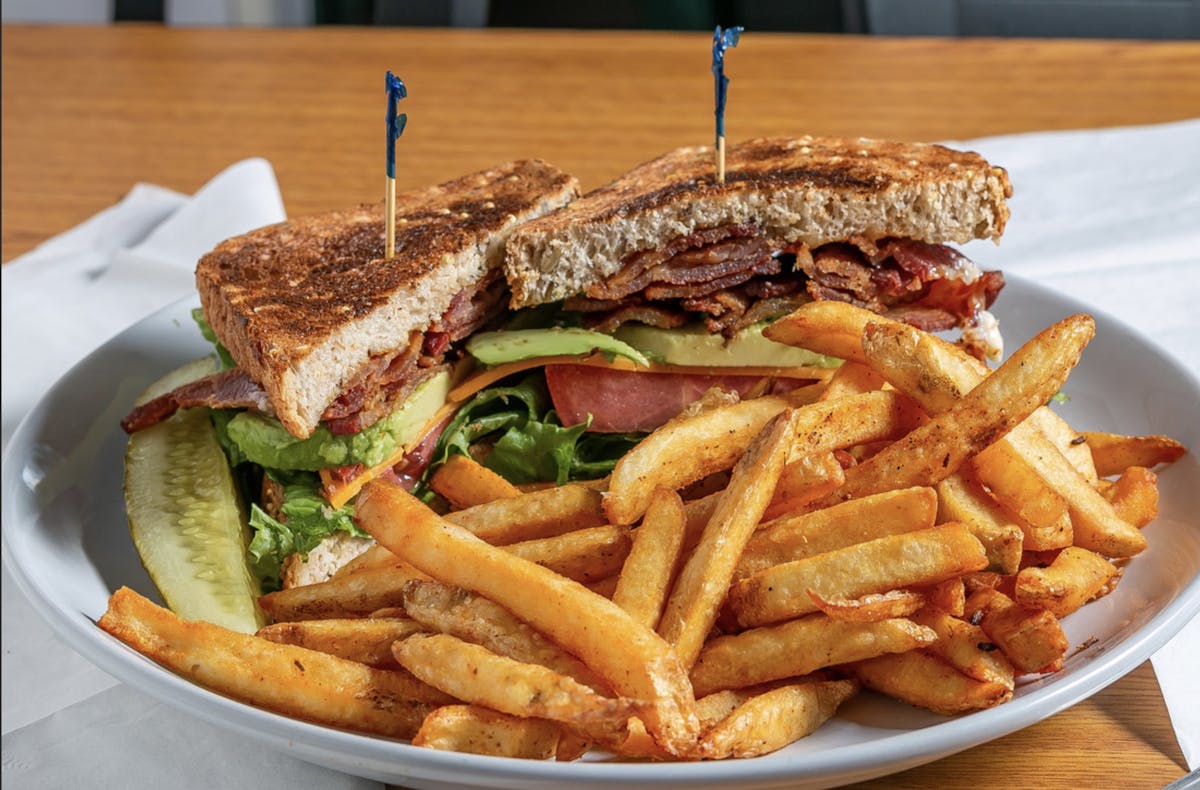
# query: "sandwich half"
[337,360]
[688,271]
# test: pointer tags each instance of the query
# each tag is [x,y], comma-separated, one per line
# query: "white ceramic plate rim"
[399,762]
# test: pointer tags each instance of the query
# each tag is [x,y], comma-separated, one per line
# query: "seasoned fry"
[965,647]
[803,481]
[692,607]
[798,647]
[354,595]
[928,682]
[476,675]
[905,560]
[1075,577]
[1134,496]
[1032,639]
[775,718]
[826,327]
[539,514]
[477,730]
[646,576]
[714,440]
[869,608]
[374,557]
[961,498]
[1011,481]
[585,555]
[1113,453]
[852,378]
[464,482]
[1070,442]
[367,641]
[631,658]
[845,524]
[286,679]
[473,618]
[716,706]
[949,596]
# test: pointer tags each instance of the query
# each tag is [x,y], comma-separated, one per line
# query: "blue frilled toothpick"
[395,127]
[722,40]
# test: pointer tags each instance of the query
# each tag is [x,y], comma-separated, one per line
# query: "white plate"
[67,545]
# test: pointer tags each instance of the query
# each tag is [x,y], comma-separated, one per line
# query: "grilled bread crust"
[809,189]
[303,305]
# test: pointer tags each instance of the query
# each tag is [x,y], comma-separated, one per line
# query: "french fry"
[714,440]
[646,576]
[585,555]
[805,480]
[540,514]
[473,618]
[1070,442]
[926,681]
[852,378]
[1041,510]
[374,557]
[798,647]
[478,676]
[290,680]
[961,498]
[713,707]
[1075,577]
[965,647]
[905,560]
[1134,496]
[845,524]
[949,596]
[1031,639]
[354,595]
[826,327]
[869,608]
[367,641]
[632,659]
[700,589]
[477,730]
[1113,453]
[775,718]
[464,482]
[1001,401]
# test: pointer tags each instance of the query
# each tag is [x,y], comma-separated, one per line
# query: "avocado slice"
[695,345]
[497,348]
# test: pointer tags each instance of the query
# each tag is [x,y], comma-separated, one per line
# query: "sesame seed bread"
[303,305]
[809,189]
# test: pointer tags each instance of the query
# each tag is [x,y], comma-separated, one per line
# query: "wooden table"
[89,111]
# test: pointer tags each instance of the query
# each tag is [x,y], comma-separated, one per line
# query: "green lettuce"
[307,520]
[206,330]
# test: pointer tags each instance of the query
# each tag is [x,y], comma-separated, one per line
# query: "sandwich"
[683,274]
[338,361]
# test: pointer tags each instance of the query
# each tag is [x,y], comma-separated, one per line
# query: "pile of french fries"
[917,525]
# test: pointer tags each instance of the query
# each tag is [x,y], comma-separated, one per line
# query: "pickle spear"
[185,516]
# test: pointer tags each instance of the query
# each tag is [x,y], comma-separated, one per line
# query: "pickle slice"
[185,516]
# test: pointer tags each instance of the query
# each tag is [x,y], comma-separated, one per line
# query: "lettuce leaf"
[206,330]
[307,520]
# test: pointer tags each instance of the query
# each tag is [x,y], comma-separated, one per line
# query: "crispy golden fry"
[852,378]
[827,327]
[1075,577]
[367,641]
[857,521]
[928,682]
[965,647]
[572,747]
[374,557]
[354,595]
[1094,524]
[646,576]
[905,560]
[1001,401]
[697,595]
[1134,496]
[775,718]
[540,514]
[716,706]
[478,676]
[1011,481]
[798,647]
[464,482]
[585,555]
[949,596]
[1113,453]
[605,587]
[1070,442]
[473,618]
[1031,639]
[286,679]
[715,439]
[803,481]
[631,658]
[476,730]
[869,608]
[961,498]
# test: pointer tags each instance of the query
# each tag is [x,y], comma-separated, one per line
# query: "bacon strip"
[228,389]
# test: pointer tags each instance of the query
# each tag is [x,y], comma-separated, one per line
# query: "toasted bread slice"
[303,305]
[809,189]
